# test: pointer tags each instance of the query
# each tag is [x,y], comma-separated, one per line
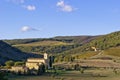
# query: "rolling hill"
[101,43]
[7,52]
[72,46]
[50,45]
[66,39]
[108,47]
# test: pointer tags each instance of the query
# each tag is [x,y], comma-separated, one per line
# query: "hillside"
[107,41]
[114,51]
[44,43]
[72,47]
[101,43]
[7,52]
[76,39]
[66,39]
[50,45]
[106,45]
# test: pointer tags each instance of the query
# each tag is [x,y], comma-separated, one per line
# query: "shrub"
[9,63]
[19,63]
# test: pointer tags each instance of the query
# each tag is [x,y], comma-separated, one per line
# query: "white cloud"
[30,7]
[27,28]
[22,4]
[64,7]
[60,3]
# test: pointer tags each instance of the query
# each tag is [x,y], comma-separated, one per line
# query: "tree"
[3,76]
[9,63]
[19,63]
[82,70]
[41,69]
[115,71]
[76,67]
[51,60]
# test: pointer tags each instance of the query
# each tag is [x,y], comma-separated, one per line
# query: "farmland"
[89,74]
[44,43]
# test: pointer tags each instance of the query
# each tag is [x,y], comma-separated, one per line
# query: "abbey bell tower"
[45,56]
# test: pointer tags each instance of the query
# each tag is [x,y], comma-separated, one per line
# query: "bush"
[9,63]
[19,63]
[3,76]
[82,70]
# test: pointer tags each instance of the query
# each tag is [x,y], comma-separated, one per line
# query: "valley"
[77,57]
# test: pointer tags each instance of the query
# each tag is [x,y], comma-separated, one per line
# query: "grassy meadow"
[44,43]
[115,51]
[89,74]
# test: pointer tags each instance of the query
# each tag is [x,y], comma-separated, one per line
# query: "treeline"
[25,41]
[47,49]
[66,39]
[72,57]
[107,41]
[101,43]
[75,41]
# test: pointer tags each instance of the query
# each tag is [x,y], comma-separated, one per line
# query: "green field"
[95,74]
[44,43]
[115,51]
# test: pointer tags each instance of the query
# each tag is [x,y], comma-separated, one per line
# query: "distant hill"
[72,46]
[44,43]
[67,39]
[76,39]
[101,43]
[45,46]
[108,47]
[7,52]
[107,41]
[50,45]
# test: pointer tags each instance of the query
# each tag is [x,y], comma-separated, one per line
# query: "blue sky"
[50,18]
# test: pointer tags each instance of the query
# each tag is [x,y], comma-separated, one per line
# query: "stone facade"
[36,62]
[33,66]
[18,69]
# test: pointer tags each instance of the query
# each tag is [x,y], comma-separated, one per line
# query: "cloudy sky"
[49,18]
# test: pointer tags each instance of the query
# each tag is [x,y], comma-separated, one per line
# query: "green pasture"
[89,74]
